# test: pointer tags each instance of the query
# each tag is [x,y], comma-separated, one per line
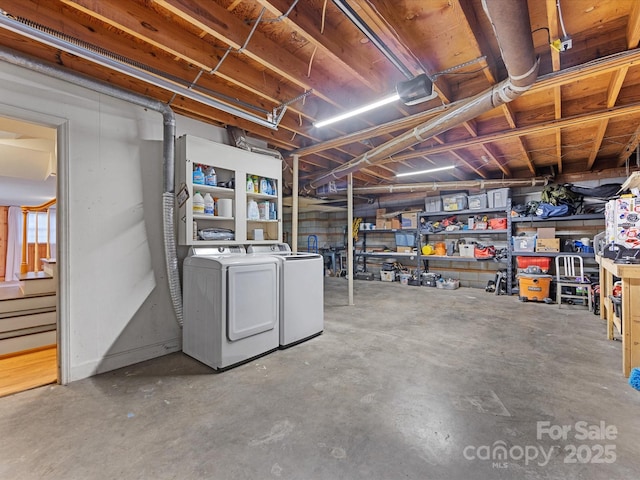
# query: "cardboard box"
[548,245]
[547,232]
[409,220]
[381,224]
[404,249]
[380,212]
[395,223]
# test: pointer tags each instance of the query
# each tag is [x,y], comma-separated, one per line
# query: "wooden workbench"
[629,324]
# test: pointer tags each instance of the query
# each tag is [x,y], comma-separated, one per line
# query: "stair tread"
[33,276]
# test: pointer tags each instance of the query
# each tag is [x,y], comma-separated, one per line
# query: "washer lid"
[275,248]
[219,250]
[213,261]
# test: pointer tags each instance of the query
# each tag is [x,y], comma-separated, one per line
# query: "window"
[42,226]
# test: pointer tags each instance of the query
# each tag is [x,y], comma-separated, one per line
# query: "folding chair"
[571,282]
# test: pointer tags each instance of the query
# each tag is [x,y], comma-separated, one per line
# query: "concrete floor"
[412,383]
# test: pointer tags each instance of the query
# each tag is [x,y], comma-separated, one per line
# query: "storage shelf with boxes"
[458,228]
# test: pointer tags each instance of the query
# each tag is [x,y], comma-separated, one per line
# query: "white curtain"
[14,244]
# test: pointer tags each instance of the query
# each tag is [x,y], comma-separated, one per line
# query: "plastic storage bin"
[524,243]
[477,202]
[433,204]
[498,198]
[387,276]
[534,287]
[467,250]
[452,203]
[405,239]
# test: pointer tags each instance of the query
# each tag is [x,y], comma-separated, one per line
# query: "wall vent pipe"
[511,24]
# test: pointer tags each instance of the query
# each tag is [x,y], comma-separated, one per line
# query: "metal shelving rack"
[506,233]
[364,254]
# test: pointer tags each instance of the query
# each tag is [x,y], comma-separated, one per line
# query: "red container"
[544,263]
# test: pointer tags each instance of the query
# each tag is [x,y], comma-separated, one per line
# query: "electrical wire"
[564,32]
[543,28]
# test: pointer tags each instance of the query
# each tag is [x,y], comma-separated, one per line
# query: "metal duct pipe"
[511,24]
[168,150]
[460,185]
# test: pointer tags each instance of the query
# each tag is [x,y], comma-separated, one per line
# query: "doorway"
[29,287]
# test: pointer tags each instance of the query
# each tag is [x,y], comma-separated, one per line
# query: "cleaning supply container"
[198,203]
[209,204]
[404,278]
[534,287]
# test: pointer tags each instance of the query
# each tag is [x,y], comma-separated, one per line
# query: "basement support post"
[294,206]
[350,272]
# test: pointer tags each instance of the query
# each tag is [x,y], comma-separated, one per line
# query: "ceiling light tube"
[431,170]
[358,111]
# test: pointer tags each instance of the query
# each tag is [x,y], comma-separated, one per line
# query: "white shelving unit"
[230,163]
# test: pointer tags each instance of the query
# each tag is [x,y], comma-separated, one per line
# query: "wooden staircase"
[28,306]
[28,311]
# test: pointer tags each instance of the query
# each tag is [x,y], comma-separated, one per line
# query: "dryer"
[301,292]
[230,306]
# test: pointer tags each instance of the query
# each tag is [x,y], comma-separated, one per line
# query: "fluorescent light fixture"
[431,170]
[358,111]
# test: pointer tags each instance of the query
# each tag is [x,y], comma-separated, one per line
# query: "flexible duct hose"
[168,215]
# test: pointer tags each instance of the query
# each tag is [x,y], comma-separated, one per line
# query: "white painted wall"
[116,296]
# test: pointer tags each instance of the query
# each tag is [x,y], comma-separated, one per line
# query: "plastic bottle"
[249,183]
[198,176]
[256,184]
[252,210]
[198,203]
[264,186]
[208,204]
[211,178]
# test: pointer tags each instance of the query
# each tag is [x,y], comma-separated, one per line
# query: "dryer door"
[252,300]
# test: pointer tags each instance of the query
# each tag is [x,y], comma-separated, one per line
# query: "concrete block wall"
[328,227]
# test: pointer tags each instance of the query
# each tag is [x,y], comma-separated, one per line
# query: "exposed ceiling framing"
[582,115]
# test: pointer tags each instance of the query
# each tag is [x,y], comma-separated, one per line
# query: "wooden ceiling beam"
[552,21]
[511,119]
[468,164]
[615,84]
[540,128]
[585,72]
[557,113]
[329,41]
[479,40]
[380,26]
[630,147]
[226,27]
[263,85]
[470,127]
[546,82]
[633,26]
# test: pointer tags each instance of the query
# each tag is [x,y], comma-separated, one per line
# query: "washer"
[230,306]
[301,292]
